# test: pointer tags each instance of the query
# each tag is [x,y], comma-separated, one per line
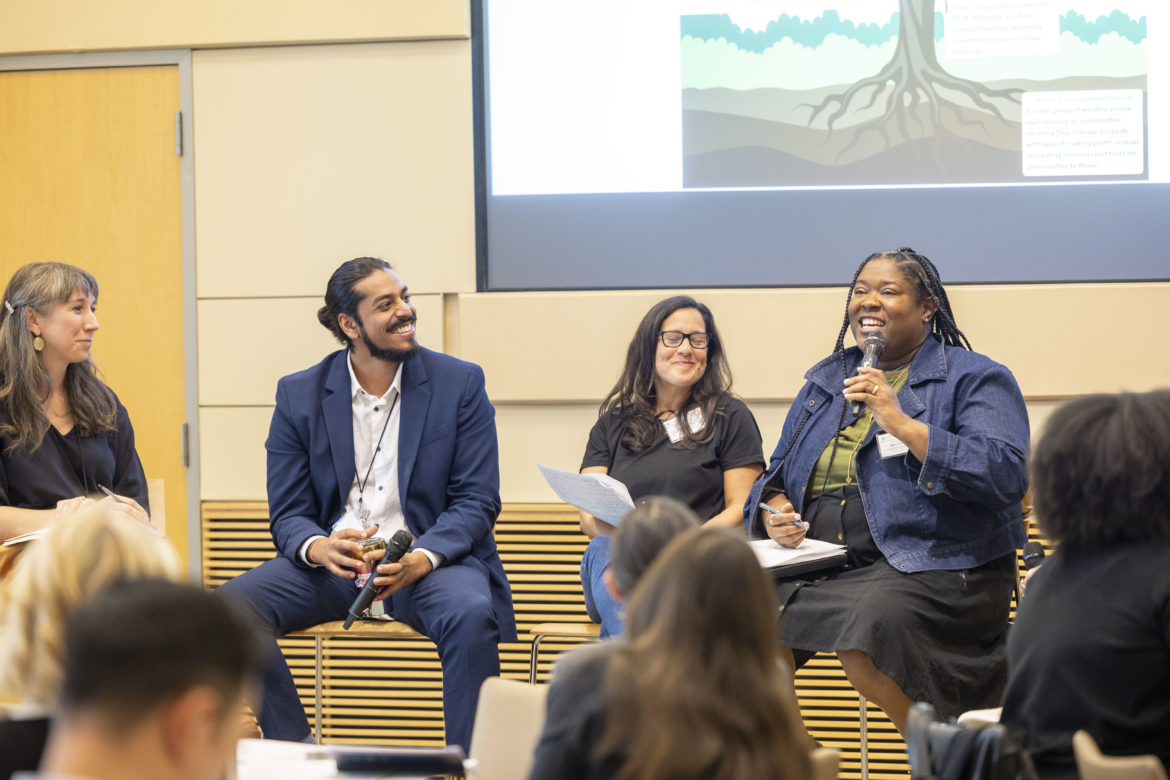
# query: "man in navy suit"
[377,437]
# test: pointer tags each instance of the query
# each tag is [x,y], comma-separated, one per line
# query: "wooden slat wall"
[390,693]
[378,692]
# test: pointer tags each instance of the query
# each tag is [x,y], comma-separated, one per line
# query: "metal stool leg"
[533,659]
[863,719]
[318,679]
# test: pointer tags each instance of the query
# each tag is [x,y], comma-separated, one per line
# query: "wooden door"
[89,175]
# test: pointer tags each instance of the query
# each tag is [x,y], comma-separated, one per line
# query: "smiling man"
[378,437]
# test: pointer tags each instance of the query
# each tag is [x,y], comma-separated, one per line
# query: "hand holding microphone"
[873,347]
[395,549]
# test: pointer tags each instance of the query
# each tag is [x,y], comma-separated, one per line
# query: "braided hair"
[919,271]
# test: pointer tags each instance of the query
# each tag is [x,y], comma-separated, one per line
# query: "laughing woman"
[63,433]
[923,487]
[670,427]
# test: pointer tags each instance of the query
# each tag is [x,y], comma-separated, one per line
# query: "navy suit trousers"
[452,606]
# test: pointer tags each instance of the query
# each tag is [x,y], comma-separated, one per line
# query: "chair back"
[824,763]
[508,723]
[940,750]
[1092,764]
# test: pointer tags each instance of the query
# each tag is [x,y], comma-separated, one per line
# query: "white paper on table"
[15,540]
[774,557]
[598,494]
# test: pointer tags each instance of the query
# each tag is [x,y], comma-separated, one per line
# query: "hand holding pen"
[125,505]
[783,524]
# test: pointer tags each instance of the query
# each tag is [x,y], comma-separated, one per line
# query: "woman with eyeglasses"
[671,427]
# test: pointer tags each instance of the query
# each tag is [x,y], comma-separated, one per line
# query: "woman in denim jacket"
[923,487]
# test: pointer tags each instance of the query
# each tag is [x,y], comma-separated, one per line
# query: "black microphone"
[395,549]
[1033,555]
[873,346]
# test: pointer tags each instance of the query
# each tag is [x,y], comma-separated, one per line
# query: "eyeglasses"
[674,338]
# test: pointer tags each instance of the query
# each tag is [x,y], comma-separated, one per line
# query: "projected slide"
[651,143]
[953,91]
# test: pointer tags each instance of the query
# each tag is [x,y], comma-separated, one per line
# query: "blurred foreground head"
[56,575]
[1101,470]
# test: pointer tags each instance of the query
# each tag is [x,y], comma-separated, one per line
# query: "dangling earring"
[38,343]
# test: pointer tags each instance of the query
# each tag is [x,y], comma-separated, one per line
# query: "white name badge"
[889,446]
[674,430]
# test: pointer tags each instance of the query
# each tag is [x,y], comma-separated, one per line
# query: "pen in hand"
[798,523]
[111,494]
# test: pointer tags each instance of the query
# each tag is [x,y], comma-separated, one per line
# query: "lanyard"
[363,512]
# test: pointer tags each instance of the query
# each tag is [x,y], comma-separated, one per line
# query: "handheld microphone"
[873,346]
[1033,555]
[395,549]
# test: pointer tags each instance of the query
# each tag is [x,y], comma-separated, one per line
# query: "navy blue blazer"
[448,462]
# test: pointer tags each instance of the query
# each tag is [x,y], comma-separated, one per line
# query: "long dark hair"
[24,381]
[696,691]
[1101,471]
[634,392]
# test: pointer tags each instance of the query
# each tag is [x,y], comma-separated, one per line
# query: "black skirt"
[940,635]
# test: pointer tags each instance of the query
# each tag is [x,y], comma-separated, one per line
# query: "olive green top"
[835,470]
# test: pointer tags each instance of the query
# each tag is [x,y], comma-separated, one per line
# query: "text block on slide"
[1083,133]
[1001,28]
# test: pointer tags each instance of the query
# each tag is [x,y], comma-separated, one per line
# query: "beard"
[389,354]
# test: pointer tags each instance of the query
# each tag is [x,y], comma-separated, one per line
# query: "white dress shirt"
[376,421]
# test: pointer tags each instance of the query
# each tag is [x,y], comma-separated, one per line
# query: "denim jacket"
[958,509]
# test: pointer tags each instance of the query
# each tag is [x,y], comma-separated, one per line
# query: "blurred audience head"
[697,690]
[155,678]
[1101,471]
[54,577]
[642,535]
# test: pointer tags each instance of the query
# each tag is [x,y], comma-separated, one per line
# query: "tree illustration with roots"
[916,90]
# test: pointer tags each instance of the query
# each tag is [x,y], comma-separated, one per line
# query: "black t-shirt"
[693,476]
[1090,649]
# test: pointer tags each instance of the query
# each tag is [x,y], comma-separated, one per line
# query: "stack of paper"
[809,556]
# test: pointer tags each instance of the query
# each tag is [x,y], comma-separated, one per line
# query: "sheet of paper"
[773,556]
[15,540]
[598,494]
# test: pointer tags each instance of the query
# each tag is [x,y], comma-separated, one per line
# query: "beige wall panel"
[246,345]
[307,156]
[1063,341]
[232,461]
[68,25]
[550,434]
[770,418]
[571,346]
[1059,340]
